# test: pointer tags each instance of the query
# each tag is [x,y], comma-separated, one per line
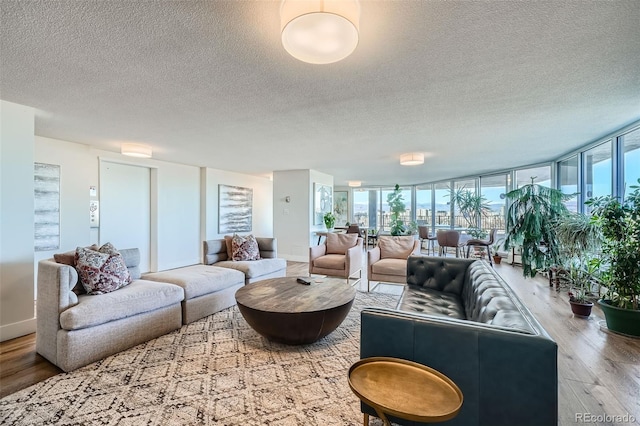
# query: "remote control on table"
[303,281]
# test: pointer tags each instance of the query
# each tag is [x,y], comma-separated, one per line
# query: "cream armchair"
[387,262]
[339,256]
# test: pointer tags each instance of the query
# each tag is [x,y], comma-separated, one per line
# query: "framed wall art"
[341,207]
[322,202]
[46,192]
[235,209]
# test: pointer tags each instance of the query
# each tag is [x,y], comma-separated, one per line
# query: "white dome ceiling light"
[412,159]
[320,31]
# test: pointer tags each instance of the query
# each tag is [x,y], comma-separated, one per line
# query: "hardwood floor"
[598,371]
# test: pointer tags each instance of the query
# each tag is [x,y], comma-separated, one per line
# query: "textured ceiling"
[476,86]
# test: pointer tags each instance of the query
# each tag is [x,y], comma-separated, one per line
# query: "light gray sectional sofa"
[75,330]
[207,289]
[218,253]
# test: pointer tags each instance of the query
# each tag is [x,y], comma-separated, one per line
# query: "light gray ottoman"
[207,289]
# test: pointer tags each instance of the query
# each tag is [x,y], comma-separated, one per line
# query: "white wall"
[78,171]
[16,220]
[178,216]
[262,217]
[293,221]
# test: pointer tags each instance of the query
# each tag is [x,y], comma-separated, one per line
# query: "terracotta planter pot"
[581,309]
[497,259]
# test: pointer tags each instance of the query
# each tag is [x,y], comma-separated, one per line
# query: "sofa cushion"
[198,280]
[431,302]
[244,248]
[255,268]
[340,243]
[390,267]
[138,297]
[101,271]
[399,247]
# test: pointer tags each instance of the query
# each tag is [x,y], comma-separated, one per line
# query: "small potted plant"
[494,252]
[329,220]
[581,276]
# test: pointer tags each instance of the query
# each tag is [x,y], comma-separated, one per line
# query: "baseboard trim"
[17,329]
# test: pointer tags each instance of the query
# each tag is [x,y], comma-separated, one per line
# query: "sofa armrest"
[506,377]
[268,247]
[55,295]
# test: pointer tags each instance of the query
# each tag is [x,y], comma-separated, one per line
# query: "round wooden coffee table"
[282,310]
[404,389]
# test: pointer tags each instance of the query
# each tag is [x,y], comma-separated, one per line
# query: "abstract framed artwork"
[322,202]
[341,207]
[235,209]
[46,192]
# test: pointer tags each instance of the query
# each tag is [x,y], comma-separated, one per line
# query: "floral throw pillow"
[101,271]
[244,248]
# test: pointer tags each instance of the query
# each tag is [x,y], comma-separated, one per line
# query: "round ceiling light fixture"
[136,150]
[320,31]
[412,159]
[354,183]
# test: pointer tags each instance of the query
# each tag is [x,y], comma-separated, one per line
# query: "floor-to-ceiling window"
[568,181]
[493,189]
[598,173]
[424,209]
[631,159]
[442,207]
[363,206]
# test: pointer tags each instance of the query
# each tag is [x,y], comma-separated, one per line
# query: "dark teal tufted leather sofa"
[460,317]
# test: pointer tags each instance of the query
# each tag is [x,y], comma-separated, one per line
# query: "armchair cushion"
[399,247]
[340,243]
[331,261]
[390,267]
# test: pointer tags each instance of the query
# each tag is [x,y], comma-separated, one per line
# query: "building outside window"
[568,181]
[598,172]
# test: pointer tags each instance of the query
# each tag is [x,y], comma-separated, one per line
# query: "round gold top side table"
[404,389]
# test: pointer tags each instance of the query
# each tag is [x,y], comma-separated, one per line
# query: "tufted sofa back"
[438,273]
[484,295]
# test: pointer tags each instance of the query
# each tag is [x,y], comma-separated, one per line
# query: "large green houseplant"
[531,216]
[471,206]
[620,224]
[395,200]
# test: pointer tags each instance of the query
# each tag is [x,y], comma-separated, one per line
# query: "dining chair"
[448,238]
[423,234]
[482,243]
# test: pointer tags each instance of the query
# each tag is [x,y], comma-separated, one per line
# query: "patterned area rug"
[215,371]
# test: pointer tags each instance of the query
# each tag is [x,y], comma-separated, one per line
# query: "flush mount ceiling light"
[412,159]
[320,31]
[136,150]
[354,183]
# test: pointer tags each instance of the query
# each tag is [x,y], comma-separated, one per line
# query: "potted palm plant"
[532,213]
[620,225]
